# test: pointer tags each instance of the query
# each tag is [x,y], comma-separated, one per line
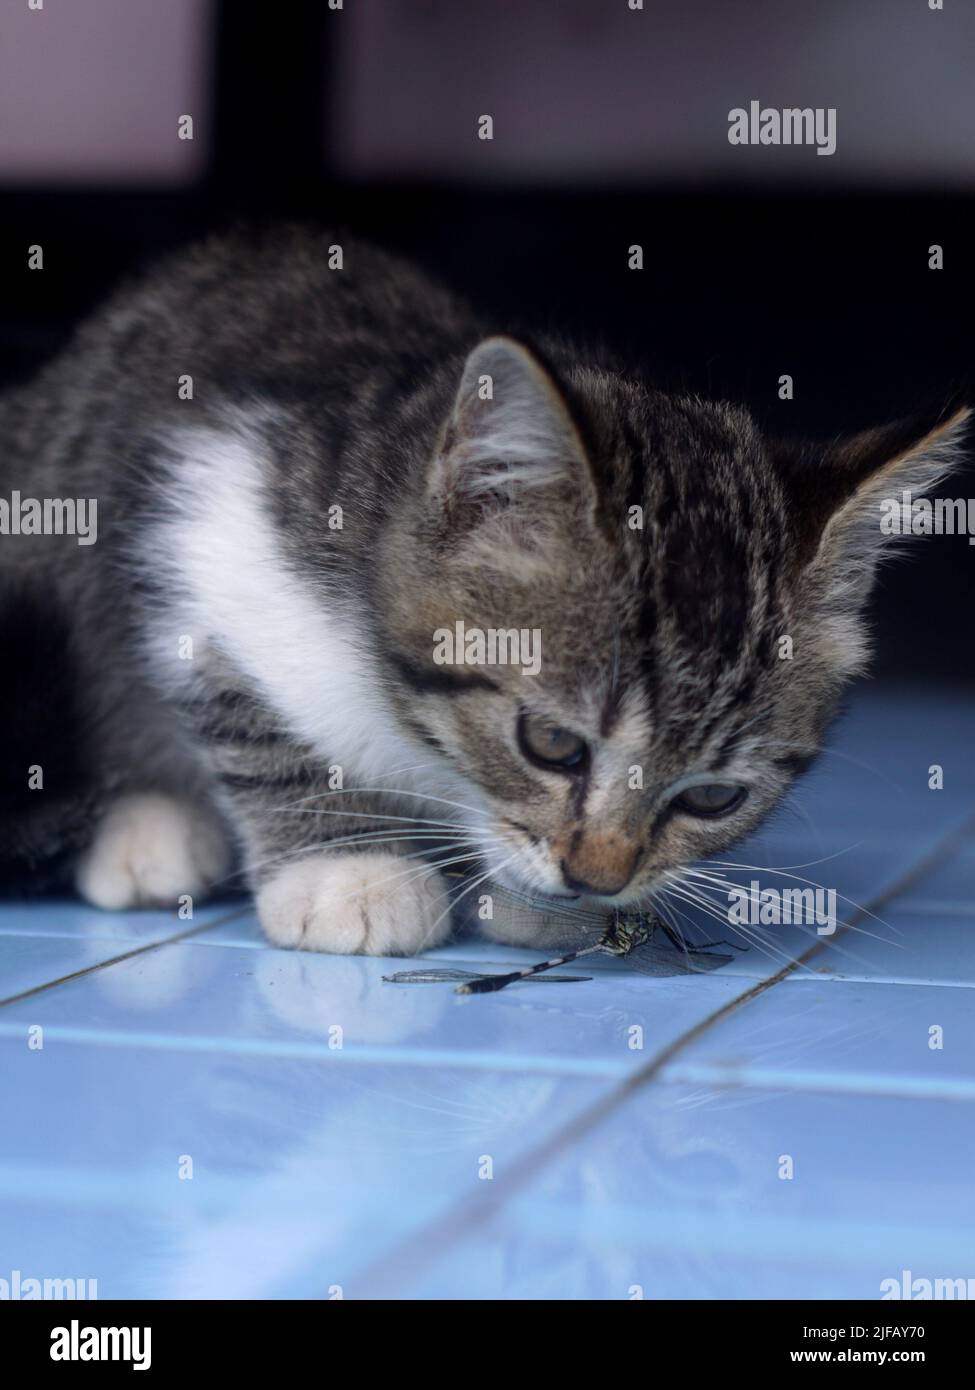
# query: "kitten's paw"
[149,849]
[370,904]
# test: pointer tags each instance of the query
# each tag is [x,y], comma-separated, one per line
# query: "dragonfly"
[625,933]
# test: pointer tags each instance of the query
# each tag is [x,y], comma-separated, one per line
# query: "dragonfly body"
[628,931]
[630,936]
[626,934]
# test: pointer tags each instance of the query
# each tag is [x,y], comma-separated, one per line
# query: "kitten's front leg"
[149,849]
[366,902]
[315,858]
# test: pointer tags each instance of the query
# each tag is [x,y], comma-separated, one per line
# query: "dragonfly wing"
[429,977]
[654,960]
[436,977]
[545,923]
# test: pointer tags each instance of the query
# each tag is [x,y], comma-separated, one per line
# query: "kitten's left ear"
[509,436]
[836,494]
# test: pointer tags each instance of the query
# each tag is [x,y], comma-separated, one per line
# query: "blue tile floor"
[188,1113]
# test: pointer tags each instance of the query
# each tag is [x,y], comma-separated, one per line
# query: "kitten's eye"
[549,745]
[711,799]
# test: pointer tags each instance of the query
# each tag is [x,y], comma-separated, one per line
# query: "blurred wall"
[601,92]
[91,90]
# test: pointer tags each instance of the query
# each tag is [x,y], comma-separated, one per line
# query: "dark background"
[803,266]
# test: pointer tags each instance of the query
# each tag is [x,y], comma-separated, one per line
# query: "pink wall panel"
[591,89]
[91,90]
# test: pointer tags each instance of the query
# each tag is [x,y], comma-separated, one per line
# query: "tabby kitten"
[248,655]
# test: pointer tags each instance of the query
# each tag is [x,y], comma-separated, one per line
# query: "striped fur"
[233,647]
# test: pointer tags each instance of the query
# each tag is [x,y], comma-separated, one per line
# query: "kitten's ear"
[837,494]
[509,435]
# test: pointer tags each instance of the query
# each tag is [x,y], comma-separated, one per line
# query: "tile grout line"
[381,1278]
[126,955]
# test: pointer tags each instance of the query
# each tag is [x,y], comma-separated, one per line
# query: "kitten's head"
[688,602]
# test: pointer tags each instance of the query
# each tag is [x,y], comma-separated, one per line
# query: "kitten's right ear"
[509,436]
[836,492]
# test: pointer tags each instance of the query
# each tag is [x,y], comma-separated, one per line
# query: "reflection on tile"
[348,1132]
[70,937]
[78,920]
[909,945]
[169,1174]
[684,1192]
[285,1002]
[241,928]
[951,886]
[875,1037]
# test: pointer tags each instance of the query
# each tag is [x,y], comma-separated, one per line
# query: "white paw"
[370,904]
[149,850]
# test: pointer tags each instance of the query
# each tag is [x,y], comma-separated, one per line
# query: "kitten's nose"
[599,867]
[597,884]
[590,890]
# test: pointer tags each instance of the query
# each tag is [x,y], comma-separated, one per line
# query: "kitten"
[249,652]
